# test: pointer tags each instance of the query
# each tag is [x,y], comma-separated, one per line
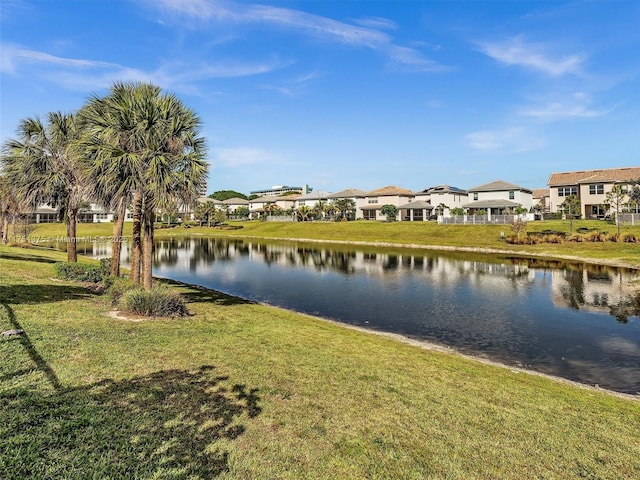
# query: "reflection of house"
[498,198]
[390,195]
[590,186]
[358,196]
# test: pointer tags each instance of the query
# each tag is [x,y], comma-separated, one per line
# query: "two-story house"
[390,195]
[498,197]
[590,186]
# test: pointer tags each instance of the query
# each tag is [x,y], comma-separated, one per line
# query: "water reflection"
[572,320]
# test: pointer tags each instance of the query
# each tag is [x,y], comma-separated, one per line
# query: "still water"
[571,320]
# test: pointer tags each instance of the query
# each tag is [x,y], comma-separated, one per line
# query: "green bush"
[157,302]
[79,272]
[117,287]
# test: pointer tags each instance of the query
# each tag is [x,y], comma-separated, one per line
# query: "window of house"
[301,203]
[475,196]
[101,216]
[597,189]
[512,194]
[372,200]
[369,214]
[566,191]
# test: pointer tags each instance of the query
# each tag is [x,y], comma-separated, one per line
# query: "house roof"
[491,204]
[417,205]
[235,201]
[444,189]
[264,199]
[390,191]
[348,193]
[605,175]
[208,200]
[540,192]
[315,195]
[498,186]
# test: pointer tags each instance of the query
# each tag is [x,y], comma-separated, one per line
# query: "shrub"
[157,302]
[105,266]
[79,272]
[629,238]
[576,238]
[611,237]
[117,287]
[553,238]
[594,237]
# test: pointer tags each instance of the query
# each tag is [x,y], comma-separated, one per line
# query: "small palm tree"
[44,164]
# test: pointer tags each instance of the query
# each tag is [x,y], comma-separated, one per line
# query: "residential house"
[358,196]
[498,198]
[390,195]
[312,199]
[541,200]
[450,197]
[590,186]
[261,205]
[232,204]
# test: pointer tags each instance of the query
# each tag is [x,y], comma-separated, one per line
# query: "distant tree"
[391,211]
[253,197]
[441,208]
[241,212]
[223,195]
[571,208]
[614,201]
[346,208]
[205,213]
[457,211]
[303,212]
[634,193]
[519,210]
[519,226]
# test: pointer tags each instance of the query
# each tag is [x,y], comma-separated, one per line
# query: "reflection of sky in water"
[554,320]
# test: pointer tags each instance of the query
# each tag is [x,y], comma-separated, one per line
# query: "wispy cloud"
[84,74]
[575,106]
[508,140]
[365,34]
[536,56]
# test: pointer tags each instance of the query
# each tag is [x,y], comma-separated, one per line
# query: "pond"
[575,321]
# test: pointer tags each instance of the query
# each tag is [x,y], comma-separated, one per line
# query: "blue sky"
[347,94]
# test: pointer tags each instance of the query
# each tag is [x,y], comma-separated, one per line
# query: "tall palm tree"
[44,164]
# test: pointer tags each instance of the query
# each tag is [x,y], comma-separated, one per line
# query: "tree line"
[137,147]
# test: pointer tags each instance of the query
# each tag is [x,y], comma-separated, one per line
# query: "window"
[369,214]
[512,194]
[566,191]
[475,196]
[596,189]
[101,216]
[301,203]
[372,200]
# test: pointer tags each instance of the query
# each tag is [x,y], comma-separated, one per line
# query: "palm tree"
[152,154]
[44,165]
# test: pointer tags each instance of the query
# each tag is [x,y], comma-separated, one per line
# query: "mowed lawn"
[245,391]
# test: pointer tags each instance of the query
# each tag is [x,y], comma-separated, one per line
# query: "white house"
[358,196]
[498,197]
[451,197]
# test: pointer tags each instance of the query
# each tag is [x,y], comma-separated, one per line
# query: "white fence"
[483,219]
[632,218]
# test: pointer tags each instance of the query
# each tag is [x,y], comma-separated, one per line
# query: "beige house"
[391,195]
[498,198]
[541,199]
[590,186]
[358,196]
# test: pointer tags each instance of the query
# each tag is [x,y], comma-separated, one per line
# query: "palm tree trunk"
[72,251]
[116,240]
[147,249]
[5,228]
[136,237]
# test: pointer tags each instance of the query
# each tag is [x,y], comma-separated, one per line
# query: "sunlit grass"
[241,390]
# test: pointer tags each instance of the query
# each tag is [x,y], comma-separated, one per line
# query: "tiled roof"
[605,175]
[498,186]
[208,200]
[348,193]
[420,204]
[540,192]
[389,191]
[315,195]
[236,201]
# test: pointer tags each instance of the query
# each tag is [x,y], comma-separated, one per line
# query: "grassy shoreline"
[415,235]
[241,390]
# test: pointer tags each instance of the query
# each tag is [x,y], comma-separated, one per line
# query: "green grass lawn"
[241,390]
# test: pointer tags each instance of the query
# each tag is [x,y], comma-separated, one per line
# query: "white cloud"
[576,106]
[508,140]
[368,35]
[83,74]
[532,55]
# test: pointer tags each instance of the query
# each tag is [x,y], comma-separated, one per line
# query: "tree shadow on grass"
[168,424]
[26,257]
[42,293]
[197,293]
